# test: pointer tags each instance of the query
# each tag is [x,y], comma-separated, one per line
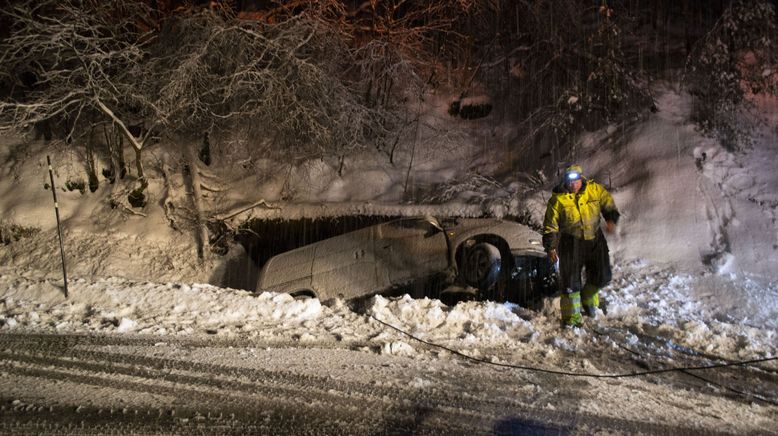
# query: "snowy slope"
[687,202]
[695,209]
[694,255]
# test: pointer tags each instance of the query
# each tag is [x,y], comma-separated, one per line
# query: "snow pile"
[671,307]
[687,203]
[657,304]
[122,306]
[92,253]
[468,324]
[118,305]
[745,219]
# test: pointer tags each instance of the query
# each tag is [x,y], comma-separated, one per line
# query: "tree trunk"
[388,83]
[205,150]
[91,171]
[113,165]
[137,198]
[201,231]
[654,14]
[167,195]
[121,127]
[139,167]
[121,165]
[687,21]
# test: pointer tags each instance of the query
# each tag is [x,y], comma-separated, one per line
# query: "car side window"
[414,225]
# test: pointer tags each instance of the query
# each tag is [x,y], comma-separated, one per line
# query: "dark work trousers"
[577,254]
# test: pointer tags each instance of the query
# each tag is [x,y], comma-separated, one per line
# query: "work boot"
[574,321]
[590,311]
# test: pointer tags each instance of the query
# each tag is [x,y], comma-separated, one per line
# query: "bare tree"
[218,72]
[70,64]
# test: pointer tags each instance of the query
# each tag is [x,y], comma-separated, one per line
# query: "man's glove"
[552,256]
[610,227]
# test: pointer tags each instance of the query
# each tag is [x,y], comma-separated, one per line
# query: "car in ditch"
[452,259]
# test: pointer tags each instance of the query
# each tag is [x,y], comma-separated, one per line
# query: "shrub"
[76,185]
[12,232]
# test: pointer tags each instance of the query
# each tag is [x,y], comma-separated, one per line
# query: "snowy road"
[99,383]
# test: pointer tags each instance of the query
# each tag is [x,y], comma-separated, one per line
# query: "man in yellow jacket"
[572,236]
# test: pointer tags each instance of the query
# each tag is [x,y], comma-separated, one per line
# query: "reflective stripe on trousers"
[570,303]
[591,296]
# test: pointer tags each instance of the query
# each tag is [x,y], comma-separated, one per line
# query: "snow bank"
[645,302]
[685,310]
[469,324]
[687,203]
[118,305]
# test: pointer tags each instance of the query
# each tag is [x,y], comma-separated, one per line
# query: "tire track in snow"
[240,392]
[231,399]
[654,351]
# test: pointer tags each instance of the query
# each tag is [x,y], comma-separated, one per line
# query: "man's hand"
[610,227]
[552,256]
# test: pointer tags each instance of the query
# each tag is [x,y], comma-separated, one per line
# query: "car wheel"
[482,265]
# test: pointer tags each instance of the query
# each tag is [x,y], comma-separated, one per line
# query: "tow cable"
[683,369]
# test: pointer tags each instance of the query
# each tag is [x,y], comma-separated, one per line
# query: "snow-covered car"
[451,259]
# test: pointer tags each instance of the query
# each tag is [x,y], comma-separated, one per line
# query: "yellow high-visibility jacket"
[577,214]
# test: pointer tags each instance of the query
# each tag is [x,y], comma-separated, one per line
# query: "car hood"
[519,237]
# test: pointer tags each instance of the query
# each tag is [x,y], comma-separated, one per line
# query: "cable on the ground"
[697,376]
[576,374]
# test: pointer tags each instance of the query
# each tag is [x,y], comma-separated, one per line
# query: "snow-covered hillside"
[695,252]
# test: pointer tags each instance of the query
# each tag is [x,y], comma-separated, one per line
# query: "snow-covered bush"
[12,232]
[280,80]
[611,90]
[735,58]
[559,67]
[471,187]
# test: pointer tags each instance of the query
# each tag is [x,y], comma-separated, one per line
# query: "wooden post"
[59,226]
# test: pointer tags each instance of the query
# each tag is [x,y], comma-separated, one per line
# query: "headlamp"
[573,176]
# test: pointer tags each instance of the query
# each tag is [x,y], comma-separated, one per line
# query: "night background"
[191,142]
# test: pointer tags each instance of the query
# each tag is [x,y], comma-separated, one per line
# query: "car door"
[287,272]
[344,266]
[407,250]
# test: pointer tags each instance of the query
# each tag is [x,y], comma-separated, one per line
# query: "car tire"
[482,266]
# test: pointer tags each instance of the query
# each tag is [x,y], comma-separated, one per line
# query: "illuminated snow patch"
[482,323]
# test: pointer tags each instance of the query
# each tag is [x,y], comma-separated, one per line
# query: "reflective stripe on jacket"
[577,215]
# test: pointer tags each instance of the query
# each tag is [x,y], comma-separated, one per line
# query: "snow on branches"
[735,58]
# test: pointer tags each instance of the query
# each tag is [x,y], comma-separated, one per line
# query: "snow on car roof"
[291,211]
